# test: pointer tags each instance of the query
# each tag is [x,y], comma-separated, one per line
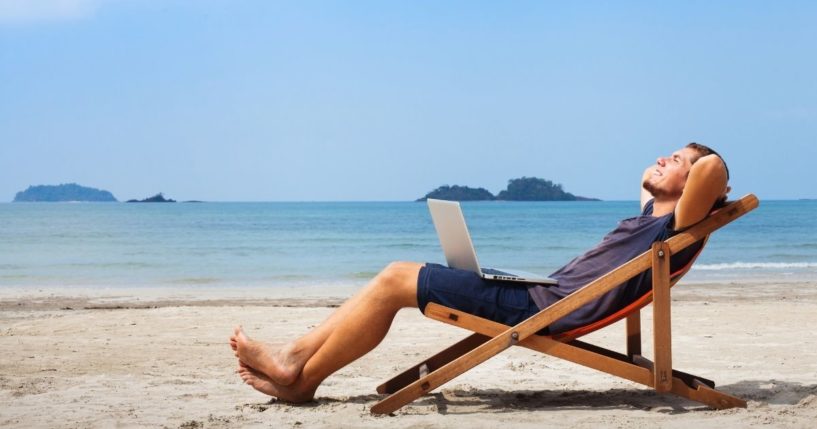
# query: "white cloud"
[28,11]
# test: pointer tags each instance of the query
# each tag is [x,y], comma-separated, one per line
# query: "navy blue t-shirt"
[631,238]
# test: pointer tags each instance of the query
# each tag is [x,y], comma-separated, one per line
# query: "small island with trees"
[459,193]
[72,192]
[158,198]
[522,189]
[67,192]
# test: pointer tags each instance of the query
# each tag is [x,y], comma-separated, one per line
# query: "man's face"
[670,174]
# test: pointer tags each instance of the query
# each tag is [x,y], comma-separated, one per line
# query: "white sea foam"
[756,266]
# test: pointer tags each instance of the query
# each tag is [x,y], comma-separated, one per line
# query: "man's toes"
[245,375]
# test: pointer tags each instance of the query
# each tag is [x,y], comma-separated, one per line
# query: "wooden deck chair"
[490,338]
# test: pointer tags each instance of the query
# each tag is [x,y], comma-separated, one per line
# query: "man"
[676,192]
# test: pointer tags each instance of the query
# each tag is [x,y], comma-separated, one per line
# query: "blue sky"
[358,100]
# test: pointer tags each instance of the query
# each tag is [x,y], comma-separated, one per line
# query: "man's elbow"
[711,168]
[710,160]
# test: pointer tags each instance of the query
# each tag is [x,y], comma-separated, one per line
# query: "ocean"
[346,243]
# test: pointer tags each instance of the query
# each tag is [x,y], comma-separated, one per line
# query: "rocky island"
[158,198]
[522,189]
[67,192]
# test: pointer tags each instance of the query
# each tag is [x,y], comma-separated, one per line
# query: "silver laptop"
[459,250]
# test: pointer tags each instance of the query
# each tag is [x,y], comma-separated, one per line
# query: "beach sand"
[160,358]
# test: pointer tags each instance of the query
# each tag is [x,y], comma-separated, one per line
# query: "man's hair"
[703,151]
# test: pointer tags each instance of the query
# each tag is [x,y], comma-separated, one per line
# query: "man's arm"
[705,185]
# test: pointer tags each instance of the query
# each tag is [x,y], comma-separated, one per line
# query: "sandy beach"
[159,358]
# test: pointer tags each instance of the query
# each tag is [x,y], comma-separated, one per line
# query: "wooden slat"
[438,360]
[447,373]
[662,336]
[707,395]
[703,228]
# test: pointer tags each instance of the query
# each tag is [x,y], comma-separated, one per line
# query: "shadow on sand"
[465,401]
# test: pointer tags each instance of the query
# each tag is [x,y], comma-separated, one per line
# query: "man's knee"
[400,277]
[400,266]
[399,271]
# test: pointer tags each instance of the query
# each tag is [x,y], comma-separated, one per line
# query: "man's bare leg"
[353,330]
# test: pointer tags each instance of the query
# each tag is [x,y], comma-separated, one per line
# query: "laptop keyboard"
[497,272]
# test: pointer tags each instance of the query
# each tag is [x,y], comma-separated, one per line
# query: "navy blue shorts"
[504,302]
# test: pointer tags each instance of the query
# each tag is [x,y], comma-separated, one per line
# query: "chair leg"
[634,334]
[431,364]
[704,394]
[662,335]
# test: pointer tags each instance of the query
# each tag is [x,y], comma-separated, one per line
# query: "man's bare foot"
[280,366]
[263,384]
[275,348]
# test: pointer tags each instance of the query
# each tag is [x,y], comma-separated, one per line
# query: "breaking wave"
[756,266]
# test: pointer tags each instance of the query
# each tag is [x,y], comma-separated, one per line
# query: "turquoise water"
[250,244]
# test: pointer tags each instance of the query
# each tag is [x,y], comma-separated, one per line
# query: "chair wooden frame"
[490,338]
